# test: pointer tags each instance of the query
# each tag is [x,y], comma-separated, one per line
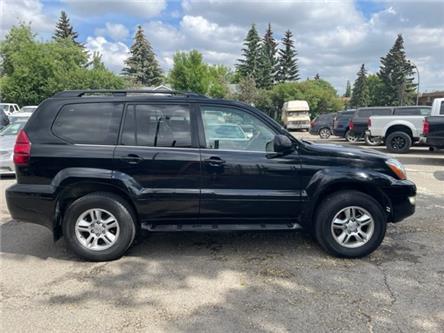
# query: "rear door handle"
[132,159]
[214,161]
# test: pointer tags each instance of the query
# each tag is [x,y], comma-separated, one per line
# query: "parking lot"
[235,281]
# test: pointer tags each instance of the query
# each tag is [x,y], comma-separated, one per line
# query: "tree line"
[266,75]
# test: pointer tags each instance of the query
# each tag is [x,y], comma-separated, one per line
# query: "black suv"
[322,125]
[97,167]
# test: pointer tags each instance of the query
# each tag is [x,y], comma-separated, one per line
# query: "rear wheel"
[373,140]
[398,142]
[350,224]
[99,226]
[351,137]
[324,133]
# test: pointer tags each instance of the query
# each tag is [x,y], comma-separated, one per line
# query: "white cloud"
[116,31]
[13,12]
[113,53]
[138,8]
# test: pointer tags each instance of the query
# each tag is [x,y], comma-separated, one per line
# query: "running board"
[218,227]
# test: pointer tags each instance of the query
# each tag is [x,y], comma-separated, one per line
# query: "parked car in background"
[19,116]
[358,124]
[97,170]
[433,127]
[29,108]
[322,125]
[399,130]
[4,120]
[296,115]
[7,141]
[341,122]
[9,108]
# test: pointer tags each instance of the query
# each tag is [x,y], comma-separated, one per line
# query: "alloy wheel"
[97,229]
[352,227]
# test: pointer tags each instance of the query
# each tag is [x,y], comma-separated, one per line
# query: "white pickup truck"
[399,130]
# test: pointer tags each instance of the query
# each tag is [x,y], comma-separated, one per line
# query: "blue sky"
[333,38]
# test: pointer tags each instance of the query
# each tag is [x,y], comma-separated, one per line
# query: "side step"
[219,227]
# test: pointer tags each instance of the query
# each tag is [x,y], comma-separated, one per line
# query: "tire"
[398,142]
[78,226]
[326,232]
[373,140]
[351,137]
[324,133]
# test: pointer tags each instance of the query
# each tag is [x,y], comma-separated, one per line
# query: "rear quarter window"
[89,123]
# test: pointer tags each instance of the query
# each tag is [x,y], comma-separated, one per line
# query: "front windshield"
[12,129]
[297,113]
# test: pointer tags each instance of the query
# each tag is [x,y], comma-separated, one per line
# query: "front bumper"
[339,132]
[402,195]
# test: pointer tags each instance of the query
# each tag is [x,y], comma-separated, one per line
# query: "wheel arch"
[346,185]
[400,128]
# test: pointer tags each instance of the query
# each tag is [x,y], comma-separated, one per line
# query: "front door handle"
[214,161]
[133,159]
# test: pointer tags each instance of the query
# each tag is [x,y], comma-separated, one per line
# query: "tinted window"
[374,112]
[412,111]
[157,126]
[442,108]
[233,129]
[89,123]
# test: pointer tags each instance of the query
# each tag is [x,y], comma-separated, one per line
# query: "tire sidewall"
[115,207]
[325,129]
[348,136]
[336,203]
[405,149]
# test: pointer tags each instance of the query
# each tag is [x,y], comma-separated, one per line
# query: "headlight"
[397,168]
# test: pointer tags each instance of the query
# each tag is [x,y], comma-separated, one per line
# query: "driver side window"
[233,129]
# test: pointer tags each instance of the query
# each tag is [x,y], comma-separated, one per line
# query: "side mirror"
[282,144]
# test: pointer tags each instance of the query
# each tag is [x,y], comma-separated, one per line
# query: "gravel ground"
[233,282]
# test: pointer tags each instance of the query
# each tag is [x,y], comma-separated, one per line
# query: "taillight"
[22,149]
[350,124]
[312,123]
[369,122]
[426,127]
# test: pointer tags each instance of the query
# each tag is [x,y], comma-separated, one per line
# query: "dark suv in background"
[322,125]
[341,122]
[96,167]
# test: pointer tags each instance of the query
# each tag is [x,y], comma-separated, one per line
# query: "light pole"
[417,91]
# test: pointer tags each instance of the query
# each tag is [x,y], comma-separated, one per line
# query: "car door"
[156,150]
[239,181]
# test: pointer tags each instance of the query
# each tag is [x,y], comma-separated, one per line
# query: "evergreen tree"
[248,66]
[142,66]
[64,29]
[288,68]
[396,74]
[348,90]
[360,96]
[268,64]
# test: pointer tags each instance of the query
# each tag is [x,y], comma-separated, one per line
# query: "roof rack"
[124,93]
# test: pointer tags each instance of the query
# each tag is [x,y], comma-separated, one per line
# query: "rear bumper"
[402,195]
[313,131]
[435,142]
[32,204]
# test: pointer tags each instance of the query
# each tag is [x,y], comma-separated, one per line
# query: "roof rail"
[124,93]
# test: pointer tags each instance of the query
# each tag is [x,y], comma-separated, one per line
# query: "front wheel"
[99,226]
[398,142]
[373,140]
[350,224]
[324,133]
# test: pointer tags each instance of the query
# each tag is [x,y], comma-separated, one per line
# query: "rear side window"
[374,112]
[157,126]
[89,123]
[412,112]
